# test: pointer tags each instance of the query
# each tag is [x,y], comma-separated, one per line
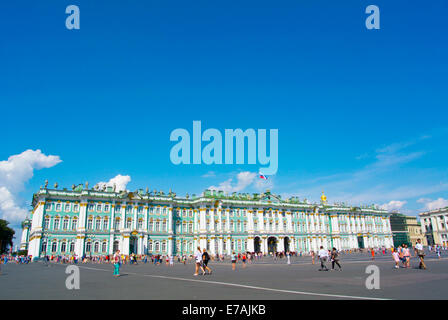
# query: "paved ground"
[263,280]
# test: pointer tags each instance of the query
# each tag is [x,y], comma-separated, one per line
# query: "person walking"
[396,258]
[323,256]
[335,259]
[420,253]
[198,261]
[117,264]
[438,248]
[288,257]
[406,256]
[234,257]
[205,260]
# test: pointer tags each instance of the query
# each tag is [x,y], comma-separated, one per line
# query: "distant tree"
[6,236]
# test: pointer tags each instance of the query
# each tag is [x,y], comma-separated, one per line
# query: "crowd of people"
[401,256]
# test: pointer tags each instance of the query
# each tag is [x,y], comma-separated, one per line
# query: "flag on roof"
[262,176]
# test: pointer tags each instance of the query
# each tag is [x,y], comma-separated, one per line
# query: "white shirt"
[419,246]
[323,253]
[198,256]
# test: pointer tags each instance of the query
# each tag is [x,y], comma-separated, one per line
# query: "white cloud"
[393,205]
[119,181]
[244,180]
[209,174]
[433,204]
[14,173]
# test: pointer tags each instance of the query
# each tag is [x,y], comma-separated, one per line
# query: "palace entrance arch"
[133,245]
[286,244]
[257,244]
[272,244]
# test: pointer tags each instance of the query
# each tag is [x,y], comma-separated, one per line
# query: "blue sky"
[360,113]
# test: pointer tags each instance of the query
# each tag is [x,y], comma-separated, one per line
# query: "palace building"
[98,221]
[435,226]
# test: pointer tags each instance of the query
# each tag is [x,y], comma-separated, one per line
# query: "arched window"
[104,247]
[150,246]
[74,223]
[105,223]
[56,224]
[96,247]
[63,246]
[47,223]
[67,207]
[98,223]
[129,224]
[65,224]
[164,246]
[157,246]
[140,224]
[90,224]
[117,224]
[54,246]
[164,226]
[88,246]
[157,226]
[44,247]
[116,245]
[72,246]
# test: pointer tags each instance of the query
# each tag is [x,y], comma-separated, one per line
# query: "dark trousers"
[337,262]
[322,263]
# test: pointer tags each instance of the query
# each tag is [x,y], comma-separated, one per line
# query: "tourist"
[438,248]
[312,256]
[406,256]
[117,264]
[234,257]
[171,261]
[288,257]
[420,253]
[205,260]
[198,260]
[243,258]
[323,256]
[335,259]
[396,258]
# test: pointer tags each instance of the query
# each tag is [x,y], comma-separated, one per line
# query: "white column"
[250,222]
[220,219]
[289,227]
[170,221]
[260,221]
[140,245]
[212,245]
[250,244]
[221,245]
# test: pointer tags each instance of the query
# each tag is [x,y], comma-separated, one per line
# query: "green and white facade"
[98,222]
